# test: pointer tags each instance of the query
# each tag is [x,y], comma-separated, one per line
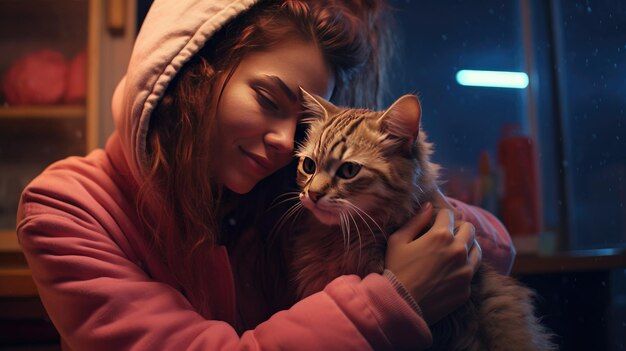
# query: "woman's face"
[259,109]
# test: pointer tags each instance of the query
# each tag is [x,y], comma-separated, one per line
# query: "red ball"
[38,78]
[76,79]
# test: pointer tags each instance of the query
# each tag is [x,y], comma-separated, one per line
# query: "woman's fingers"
[475,256]
[466,234]
[441,201]
[414,226]
[442,230]
[441,262]
[444,221]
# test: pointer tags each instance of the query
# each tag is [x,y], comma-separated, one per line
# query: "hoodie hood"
[172,32]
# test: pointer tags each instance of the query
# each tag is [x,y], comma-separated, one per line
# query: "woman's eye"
[308,165]
[348,170]
[265,100]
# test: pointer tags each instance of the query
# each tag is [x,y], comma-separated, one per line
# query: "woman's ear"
[315,107]
[402,119]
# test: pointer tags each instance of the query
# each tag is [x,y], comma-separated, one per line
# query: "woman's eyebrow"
[290,94]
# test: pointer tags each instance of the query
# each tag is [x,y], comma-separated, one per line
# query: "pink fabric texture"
[105,289]
[492,236]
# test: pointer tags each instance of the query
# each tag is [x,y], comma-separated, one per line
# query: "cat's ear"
[402,119]
[315,106]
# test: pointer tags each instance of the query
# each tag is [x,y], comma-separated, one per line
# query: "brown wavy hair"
[181,208]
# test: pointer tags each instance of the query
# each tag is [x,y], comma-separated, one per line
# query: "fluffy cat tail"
[507,311]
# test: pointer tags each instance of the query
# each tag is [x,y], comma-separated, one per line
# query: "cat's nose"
[315,195]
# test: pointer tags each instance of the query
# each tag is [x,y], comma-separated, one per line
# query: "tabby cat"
[362,174]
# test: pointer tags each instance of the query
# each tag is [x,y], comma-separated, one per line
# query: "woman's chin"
[238,185]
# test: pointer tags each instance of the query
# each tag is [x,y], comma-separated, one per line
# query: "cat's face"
[355,160]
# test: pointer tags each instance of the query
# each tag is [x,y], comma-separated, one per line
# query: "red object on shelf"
[38,78]
[76,79]
[519,205]
[487,192]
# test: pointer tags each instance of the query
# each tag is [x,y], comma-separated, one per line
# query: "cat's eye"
[308,165]
[348,170]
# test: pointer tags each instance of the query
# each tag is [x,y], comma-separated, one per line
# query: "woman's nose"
[281,138]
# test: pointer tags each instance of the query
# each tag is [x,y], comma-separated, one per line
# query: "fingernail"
[427,206]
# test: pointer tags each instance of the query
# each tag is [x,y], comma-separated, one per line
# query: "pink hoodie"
[104,288]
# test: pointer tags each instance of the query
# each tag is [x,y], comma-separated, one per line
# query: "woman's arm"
[100,298]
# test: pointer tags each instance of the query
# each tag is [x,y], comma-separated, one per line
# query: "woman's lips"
[260,163]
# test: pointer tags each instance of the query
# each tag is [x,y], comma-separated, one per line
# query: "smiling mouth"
[260,162]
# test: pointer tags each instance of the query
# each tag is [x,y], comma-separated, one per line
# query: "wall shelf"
[34,112]
[15,277]
[8,241]
[574,261]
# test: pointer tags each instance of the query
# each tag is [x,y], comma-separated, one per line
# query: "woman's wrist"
[401,289]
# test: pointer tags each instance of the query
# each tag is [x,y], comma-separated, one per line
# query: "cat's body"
[362,175]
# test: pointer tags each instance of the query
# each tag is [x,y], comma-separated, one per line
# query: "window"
[590,42]
[571,111]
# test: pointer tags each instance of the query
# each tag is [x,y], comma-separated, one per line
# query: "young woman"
[159,241]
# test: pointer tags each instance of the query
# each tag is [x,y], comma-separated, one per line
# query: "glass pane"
[482,134]
[439,39]
[42,91]
[591,58]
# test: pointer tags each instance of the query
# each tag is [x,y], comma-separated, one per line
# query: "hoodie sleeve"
[100,298]
[494,239]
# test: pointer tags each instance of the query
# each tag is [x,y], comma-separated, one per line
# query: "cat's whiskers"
[345,229]
[352,206]
[297,217]
[359,211]
[345,232]
[292,195]
[291,212]
[358,233]
[364,221]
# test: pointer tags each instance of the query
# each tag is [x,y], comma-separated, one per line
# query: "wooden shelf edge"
[8,241]
[568,262]
[33,112]
[16,282]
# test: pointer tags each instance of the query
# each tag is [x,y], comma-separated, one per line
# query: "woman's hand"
[437,267]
